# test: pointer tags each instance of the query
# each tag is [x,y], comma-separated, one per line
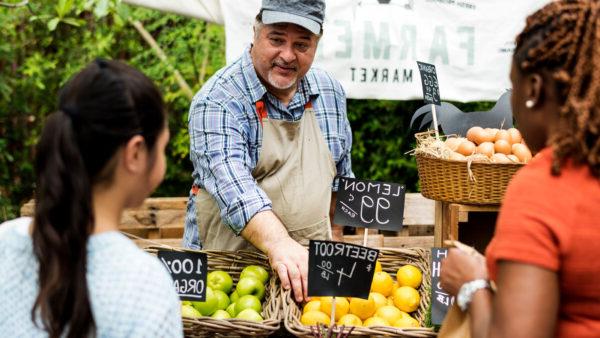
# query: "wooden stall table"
[448,216]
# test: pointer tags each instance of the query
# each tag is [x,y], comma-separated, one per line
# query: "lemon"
[390,301]
[379,299]
[376,321]
[407,299]
[312,305]
[314,318]
[406,321]
[389,313]
[378,266]
[382,283]
[341,306]
[349,320]
[409,275]
[363,308]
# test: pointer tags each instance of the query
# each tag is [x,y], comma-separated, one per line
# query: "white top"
[131,293]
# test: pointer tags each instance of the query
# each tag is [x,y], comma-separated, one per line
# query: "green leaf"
[73,21]
[64,7]
[53,23]
[101,9]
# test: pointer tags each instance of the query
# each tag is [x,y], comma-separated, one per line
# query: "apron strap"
[261,109]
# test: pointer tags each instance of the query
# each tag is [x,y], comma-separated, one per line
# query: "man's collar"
[307,86]
[257,89]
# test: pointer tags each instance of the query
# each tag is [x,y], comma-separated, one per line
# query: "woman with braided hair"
[543,257]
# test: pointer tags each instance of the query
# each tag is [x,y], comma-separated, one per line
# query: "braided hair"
[563,38]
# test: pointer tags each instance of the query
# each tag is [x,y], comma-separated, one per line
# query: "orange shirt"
[554,222]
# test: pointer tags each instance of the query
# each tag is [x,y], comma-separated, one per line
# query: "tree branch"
[163,57]
[15,5]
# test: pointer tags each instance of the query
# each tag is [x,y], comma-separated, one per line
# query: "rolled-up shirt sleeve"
[222,164]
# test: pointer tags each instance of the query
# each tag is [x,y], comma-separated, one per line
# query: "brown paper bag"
[456,324]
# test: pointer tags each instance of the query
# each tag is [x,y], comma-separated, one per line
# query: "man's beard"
[284,83]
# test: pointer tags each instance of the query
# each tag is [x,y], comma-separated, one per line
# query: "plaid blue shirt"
[226,136]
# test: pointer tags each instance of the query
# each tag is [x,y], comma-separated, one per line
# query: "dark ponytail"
[100,109]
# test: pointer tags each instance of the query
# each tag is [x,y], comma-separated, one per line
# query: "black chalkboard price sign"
[340,269]
[188,270]
[431,89]
[369,204]
[440,299]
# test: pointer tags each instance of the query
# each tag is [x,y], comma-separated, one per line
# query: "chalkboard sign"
[188,270]
[440,299]
[340,269]
[369,204]
[431,90]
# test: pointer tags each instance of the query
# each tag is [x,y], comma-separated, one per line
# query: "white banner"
[371,46]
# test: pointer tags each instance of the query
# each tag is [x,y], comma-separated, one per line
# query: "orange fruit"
[341,306]
[349,320]
[376,321]
[407,299]
[313,305]
[314,317]
[379,299]
[406,321]
[389,313]
[382,283]
[378,266]
[363,308]
[409,275]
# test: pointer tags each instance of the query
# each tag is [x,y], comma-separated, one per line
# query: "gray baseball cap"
[306,13]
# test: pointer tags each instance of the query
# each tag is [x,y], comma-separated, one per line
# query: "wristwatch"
[465,294]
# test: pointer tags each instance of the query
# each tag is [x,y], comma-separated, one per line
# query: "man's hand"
[290,260]
[286,256]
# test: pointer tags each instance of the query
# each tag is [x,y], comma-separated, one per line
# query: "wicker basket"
[391,260]
[233,263]
[449,181]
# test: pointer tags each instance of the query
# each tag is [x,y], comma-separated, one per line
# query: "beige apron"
[295,169]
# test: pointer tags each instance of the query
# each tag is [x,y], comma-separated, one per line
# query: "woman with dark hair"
[69,272]
[544,254]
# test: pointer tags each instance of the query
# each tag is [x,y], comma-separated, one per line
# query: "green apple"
[250,286]
[234,296]
[220,314]
[255,271]
[186,302]
[189,312]
[219,280]
[249,314]
[223,299]
[247,302]
[231,310]
[209,306]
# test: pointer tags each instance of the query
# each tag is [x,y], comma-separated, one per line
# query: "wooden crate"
[160,220]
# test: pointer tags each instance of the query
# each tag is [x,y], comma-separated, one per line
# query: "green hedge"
[44,43]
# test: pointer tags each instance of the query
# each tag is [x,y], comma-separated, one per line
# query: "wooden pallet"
[160,220]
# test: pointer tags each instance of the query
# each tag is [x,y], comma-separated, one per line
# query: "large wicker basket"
[233,263]
[391,260]
[450,181]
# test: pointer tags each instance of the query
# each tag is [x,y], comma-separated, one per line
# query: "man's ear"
[535,89]
[135,155]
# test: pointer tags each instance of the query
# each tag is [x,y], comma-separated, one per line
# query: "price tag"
[431,89]
[188,270]
[369,204]
[340,269]
[440,299]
